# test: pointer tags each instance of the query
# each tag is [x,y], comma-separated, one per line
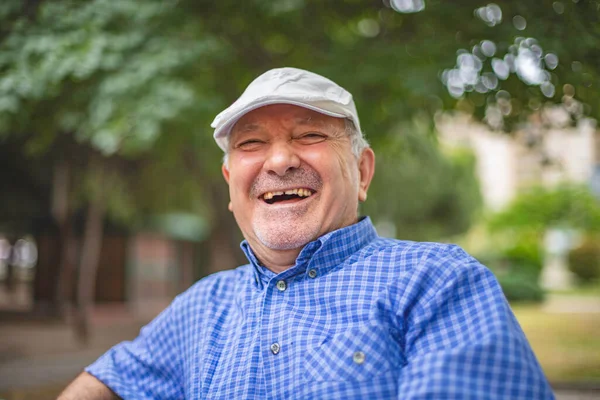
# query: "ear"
[225,172]
[366,168]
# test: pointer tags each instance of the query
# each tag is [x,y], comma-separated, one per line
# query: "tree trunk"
[9,279]
[221,249]
[88,266]
[186,264]
[225,237]
[61,213]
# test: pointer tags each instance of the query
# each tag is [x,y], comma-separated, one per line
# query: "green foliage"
[560,42]
[523,224]
[535,211]
[120,69]
[540,208]
[425,193]
[107,72]
[144,79]
[584,260]
[524,257]
[517,261]
[521,288]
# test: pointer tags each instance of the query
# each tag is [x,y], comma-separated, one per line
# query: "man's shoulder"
[220,286]
[406,254]
[424,271]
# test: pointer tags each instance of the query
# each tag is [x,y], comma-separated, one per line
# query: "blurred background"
[483,117]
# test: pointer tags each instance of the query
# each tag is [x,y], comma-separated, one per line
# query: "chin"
[286,238]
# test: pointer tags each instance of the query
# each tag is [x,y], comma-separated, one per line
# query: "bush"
[584,260]
[521,288]
[541,208]
[518,268]
[524,258]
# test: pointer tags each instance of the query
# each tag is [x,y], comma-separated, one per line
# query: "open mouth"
[289,195]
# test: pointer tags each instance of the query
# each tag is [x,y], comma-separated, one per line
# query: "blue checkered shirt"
[357,317]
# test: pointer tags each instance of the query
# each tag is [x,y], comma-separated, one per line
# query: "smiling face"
[292,178]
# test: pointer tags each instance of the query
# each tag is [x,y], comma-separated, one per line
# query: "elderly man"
[325,309]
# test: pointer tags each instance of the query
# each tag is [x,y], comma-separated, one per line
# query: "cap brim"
[222,131]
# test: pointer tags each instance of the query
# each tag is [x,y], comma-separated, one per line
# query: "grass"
[567,345]
[587,290]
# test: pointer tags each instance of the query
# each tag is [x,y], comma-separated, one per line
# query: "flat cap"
[287,86]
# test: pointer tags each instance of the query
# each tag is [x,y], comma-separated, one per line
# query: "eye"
[311,138]
[249,144]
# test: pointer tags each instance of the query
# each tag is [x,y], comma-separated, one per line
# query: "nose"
[281,158]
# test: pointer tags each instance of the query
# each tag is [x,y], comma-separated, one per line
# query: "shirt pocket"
[357,354]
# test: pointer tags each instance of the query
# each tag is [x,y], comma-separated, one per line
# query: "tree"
[424,193]
[76,78]
[120,94]
[523,55]
[538,209]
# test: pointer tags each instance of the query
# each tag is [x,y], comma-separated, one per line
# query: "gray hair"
[358,143]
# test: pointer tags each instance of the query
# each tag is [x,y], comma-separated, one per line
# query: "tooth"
[301,192]
[308,192]
[289,192]
[268,196]
[295,191]
[277,193]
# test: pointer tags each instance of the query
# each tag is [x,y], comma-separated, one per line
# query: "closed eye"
[311,138]
[249,144]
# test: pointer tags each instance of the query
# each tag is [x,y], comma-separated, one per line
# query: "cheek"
[333,165]
[347,168]
[243,172]
[245,163]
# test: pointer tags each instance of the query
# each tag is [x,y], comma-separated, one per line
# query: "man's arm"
[463,342]
[147,367]
[87,387]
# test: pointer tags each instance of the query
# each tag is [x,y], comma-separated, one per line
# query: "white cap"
[287,86]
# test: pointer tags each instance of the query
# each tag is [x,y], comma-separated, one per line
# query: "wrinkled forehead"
[286,115]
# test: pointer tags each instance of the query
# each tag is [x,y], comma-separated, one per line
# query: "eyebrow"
[310,121]
[247,127]
[304,121]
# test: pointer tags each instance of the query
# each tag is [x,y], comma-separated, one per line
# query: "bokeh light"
[525,58]
[519,22]
[408,6]
[490,14]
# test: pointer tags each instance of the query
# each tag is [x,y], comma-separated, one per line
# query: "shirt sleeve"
[464,341]
[148,367]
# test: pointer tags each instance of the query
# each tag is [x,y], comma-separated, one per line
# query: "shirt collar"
[322,254]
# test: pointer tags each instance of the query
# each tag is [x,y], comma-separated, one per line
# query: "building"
[507,164]
[547,151]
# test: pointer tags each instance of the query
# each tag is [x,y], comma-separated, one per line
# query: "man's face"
[292,176]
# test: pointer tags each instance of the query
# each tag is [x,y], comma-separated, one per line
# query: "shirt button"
[312,273]
[281,286]
[358,357]
[275,348]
